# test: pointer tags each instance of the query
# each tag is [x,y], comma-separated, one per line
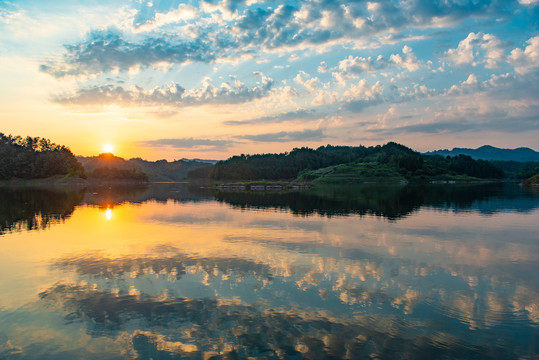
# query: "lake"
[173,271]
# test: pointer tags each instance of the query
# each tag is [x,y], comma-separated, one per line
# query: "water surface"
[170,272]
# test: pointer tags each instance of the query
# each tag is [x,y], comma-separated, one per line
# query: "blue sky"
[172,79]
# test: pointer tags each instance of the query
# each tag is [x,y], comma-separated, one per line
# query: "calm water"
[168,272]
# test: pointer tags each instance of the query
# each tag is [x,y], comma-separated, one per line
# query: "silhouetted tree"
[29,158]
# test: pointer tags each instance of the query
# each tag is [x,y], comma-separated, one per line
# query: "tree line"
[113,174]
[408,162]
[35,157]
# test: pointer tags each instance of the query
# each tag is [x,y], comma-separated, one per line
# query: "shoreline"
[283,185]
[67,181]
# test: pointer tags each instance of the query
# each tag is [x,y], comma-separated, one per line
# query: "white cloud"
[311,84]
[526,60]
[465,86]
[323,68]
[472,80]
[324,97]
[407,61]
[183,13]
[363,91]
[352,67]
[171,95]
[478,49]
[357,65]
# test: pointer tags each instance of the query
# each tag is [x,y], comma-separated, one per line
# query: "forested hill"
[160,170]
[35,158]
[391,160]
[488,152]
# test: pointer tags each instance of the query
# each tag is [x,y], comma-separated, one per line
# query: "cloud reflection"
[197,328]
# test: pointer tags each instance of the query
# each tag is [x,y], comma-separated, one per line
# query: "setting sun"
[108,148]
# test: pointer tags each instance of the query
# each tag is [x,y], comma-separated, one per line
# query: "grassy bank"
[374,172]
[55,180]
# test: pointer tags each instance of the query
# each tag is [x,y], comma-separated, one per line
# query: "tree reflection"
[33,209]
[388,200]
[36,208]
[161,192]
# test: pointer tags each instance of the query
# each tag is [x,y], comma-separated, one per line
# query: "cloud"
[108,51]
[527,60]
[407,61]
[478,49]
[250,28]
[291,115]
[148,19]
[428,128]
[352,67]
[357,65]
[321,96]
[469,85]
[230,92]
[286,136]
[323,68]
[475,121]
[363,91]
[188,144]
[312,84]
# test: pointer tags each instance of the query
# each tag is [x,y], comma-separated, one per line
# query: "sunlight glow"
[108,214]
[108,148]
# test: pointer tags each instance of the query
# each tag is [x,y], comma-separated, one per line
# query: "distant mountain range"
[487,152]
[160,170]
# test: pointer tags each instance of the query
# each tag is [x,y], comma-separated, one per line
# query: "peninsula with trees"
[391,162]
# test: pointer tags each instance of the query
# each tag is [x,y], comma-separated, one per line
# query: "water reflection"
[32,209]
[37,208]
[206,328]
[388,200]
[108,213]
[160,192]
[137,276]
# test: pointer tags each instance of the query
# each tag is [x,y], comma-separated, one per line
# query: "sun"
[108,148]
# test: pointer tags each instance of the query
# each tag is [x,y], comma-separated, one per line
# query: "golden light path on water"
[108,214]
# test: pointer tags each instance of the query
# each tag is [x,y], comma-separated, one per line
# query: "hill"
[348,164]
[160,170]
[487,152]
[532,181]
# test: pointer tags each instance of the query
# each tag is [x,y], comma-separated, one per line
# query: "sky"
[209,79]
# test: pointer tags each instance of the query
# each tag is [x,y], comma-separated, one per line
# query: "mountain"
[160,170]
[487,152]
[205,161]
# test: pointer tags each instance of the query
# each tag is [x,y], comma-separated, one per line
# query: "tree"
[30,158]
